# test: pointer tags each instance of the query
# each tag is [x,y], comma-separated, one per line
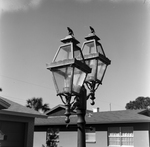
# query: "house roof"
[107,117]
[11,108]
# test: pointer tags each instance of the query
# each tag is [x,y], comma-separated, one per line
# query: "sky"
[30,34]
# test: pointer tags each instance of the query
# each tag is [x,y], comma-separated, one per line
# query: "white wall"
[141,139]
[39,139]
[67,139]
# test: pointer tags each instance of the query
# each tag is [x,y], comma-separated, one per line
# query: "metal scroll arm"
[92,86]
[70,106]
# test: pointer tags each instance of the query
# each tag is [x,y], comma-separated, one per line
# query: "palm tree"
[37,104]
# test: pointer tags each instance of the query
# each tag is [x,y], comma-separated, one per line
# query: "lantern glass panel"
[64,52]
[93,65]
[78,79]
[98,70]
[100,49]
[78,54]
[89,48]
[63,79]
[101,70]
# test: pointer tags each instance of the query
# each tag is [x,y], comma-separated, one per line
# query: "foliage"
[139,103]
[37,104]
[52,137]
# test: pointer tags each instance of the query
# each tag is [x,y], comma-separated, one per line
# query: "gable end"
[4,104]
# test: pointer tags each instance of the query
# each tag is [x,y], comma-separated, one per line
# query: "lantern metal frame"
[73,62]
[91,84]
[78,101]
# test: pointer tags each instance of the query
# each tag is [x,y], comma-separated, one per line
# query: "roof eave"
[22,114]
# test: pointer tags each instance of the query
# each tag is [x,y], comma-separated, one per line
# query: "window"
[90,135]
[120,136]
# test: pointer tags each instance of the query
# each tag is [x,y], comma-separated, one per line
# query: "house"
[16,124]
[126,128]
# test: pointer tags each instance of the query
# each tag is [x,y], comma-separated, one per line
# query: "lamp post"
[72,70]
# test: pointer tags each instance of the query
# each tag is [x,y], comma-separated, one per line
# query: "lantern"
[95,58]
[68,67]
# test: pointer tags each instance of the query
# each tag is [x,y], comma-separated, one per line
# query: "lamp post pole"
[81,111]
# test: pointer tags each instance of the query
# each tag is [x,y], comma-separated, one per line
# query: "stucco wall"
[67,139]
[19,130]
[141,139]
[141,136]
[68,136]
[39,139]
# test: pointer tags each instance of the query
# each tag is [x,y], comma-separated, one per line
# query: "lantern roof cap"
[92,36]
[70,38]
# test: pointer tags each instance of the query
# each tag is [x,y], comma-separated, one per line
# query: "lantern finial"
[70,32]
[92,30]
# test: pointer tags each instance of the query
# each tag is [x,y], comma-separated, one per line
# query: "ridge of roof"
[54,108]
[19,110]
[3,104]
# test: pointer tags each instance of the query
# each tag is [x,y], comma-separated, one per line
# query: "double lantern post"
[74,71]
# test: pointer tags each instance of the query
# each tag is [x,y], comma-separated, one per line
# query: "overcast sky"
[30,33]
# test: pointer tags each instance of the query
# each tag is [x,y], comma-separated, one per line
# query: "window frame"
[90,135]
[129,136]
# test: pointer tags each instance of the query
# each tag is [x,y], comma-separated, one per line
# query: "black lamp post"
[71,69]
